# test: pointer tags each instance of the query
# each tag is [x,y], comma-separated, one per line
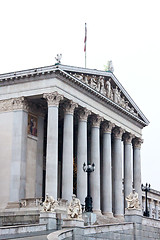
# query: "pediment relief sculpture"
[105,87]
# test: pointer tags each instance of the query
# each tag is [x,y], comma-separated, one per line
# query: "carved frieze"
[105,87]
[6,105]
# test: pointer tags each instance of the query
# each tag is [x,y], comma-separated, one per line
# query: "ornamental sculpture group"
[74,210]
[100,84]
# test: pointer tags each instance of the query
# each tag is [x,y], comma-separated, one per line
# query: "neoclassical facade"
[53,119]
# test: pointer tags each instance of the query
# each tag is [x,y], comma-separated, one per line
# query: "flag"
[85,39]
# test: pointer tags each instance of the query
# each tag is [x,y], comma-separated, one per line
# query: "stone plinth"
[13,205]
[133,215]
[89,218]
[73,222]
[48,218]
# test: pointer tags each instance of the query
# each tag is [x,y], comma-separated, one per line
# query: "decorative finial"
[58,58]
[109,66]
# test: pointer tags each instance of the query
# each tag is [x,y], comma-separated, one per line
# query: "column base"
[108,214]
[97,211]
[119,217]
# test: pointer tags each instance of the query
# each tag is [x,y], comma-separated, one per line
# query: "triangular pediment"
[108,85]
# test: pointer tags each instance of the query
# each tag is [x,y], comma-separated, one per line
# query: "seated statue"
[49,204]
[132,200]
[74,209]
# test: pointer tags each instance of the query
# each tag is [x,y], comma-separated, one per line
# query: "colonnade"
[106,181]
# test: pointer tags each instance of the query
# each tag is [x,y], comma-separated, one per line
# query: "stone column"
[82,154]
[95,158]
[156,207]
[19,151]
[67,165]
[143,204]
[128,169]
[137,167]
[107,170]
[150,207]
[53,100]
[117,171]
[39,161]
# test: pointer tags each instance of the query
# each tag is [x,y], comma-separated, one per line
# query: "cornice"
[22,76]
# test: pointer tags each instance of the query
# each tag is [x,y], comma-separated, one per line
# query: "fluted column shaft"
[67,165]
[53,100]
[137,167]
[95,158]
[117,178]
[82,154]
[127,165]
[107,170]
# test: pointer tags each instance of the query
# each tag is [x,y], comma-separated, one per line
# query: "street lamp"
[146,189]
[88,200]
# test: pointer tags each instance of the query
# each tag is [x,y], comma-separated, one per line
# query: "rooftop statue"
[75,209]
[109,66]
[132,200]
[58,58]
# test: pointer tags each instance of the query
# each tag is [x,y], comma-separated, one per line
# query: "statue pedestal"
[133,215]
[48,218]
[89,218]
[72,222]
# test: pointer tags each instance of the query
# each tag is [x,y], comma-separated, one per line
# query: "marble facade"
[53,116]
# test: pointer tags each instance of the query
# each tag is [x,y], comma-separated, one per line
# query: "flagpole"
[85,44]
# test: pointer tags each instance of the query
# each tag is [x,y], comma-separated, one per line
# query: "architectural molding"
[53,98]
[20,103]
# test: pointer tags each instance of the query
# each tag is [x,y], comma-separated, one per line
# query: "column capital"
[20,103]
[69,107]
[53,98]
[107,126]
[127,137]
[118,132]
[137,142]
[156,203]
[83,114]
[96,120]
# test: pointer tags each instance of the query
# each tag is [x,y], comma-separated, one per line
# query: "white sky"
[124,31]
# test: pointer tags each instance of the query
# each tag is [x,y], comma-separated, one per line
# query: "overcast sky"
[124,31]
